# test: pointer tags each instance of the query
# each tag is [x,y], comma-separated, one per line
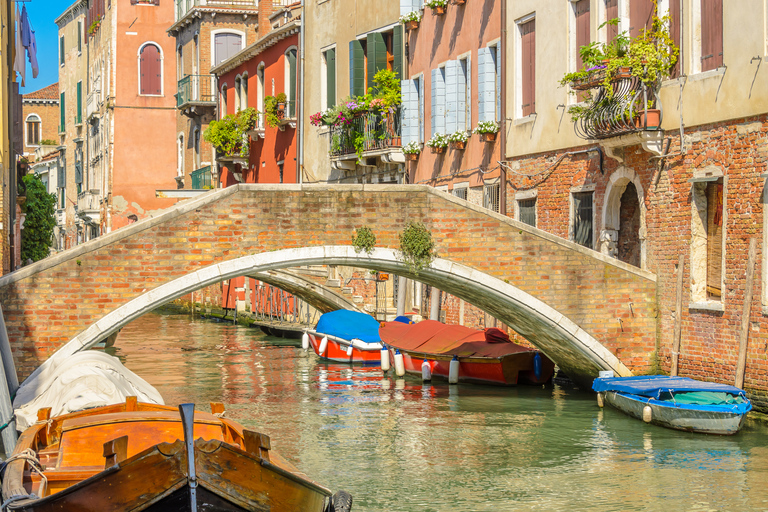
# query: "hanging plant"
[417,249]
[270,112]
[363,240]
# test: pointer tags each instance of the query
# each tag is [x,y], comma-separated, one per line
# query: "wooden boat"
[676,402]
[144,457]
[485,356]
[347,336]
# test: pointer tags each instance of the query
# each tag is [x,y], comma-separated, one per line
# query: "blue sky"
[41,15]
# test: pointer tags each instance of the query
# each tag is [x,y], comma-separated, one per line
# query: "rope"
[17,497]
[3,427]
[34,463]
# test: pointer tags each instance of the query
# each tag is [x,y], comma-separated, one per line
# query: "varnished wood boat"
[146,457]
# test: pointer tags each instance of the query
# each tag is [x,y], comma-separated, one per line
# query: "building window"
[582,225]
[260,93]
[526,211]
[328,63]
[640,16]
[290,81]
[580,35]
[150,70]
[464,94]
[491,196]
[223,101]
[707,239]
[489,83]
[711,34]
[225,45]
[33,130]
[527,70]
[79,36]
[180,156]
[420,102]
[61,50]
[79,104]
[460,192]
[196,140]
[413,110]
[237,94]
[62,112]
[357,66]
[244,91]
[437,118]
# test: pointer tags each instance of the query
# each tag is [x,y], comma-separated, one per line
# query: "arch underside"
[575,351]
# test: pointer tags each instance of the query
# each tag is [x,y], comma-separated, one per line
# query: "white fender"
[323,346]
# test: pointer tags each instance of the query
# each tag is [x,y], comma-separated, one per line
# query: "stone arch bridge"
[586,311]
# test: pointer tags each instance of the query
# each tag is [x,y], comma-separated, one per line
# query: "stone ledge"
[709,305]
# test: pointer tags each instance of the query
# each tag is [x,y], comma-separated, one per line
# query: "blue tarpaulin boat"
[677,402]
[347,336]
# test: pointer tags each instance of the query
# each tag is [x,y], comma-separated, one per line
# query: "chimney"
[265,11]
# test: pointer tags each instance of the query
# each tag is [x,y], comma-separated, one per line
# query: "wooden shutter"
[377,56]
[485,89]
[612,13]
[397,50]
[463,77]
[674,32]
[61,50]
[356,68]
[410,111]
[291,83]
[451,96]
[225,46]
[438,101]
[714,238]
[151,70]
[79,111]
[330,74]
[420,104]
[581,11]
[62,112]
[640,16]
[711,34]
[528,42]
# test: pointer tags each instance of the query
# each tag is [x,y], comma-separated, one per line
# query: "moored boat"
[347,336]
[679,403]
[484,356]
[139,456]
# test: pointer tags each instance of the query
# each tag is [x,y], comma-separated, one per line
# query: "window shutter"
[78,173]
[485,92]
[581,10]
[62,112]
[291,93]
[711,34]
[438,101]
[143,72]
[674,32]
[330,63]
[461,94]
[496,55]
[79,111]
[714,238]
[640,16]
[79,36]
[420,107]
[451,93]
[61,176]
[611,13]
[409,111]
[406,6]
[356,69]
[528,41]
[377,56]
[61,50]
[397,50]
[466,97]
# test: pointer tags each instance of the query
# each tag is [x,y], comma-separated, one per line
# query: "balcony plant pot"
[412,25]
[459,2]
[438,10]
[649,119]
[488,137]
[437,150]
[411,157]
[458,145]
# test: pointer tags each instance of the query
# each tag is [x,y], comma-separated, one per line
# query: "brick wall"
[49,121]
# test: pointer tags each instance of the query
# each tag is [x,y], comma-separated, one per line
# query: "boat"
[484,356]
[147,457]
[679,403]
[347,336]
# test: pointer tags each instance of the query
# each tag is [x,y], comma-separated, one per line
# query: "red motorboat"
[347,336]
[484,356]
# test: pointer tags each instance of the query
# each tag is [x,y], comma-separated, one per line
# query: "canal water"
[400,445]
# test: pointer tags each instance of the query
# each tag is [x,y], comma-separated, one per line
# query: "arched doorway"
[628,243]
[623,234]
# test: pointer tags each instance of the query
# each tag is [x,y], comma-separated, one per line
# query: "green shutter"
[292,83]
[397,50]
[78,114]
[330,64]
[61,50]
[377,56]
[356,69]
[62,110]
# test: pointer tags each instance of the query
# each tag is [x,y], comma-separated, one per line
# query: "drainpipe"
[300,106]
[503,113]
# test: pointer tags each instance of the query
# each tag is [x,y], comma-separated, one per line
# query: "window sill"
[703,75]
[765,310]
[709,305]
[525,120]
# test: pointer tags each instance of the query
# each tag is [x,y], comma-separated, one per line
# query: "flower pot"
[649,119]
[411,157]
[459,2]
[437,150]
[458,144]
[439,10]
[488,137]
[412,25]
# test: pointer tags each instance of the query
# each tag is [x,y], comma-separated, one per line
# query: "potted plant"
[281,100]
[438,143]
[411,20]
[437,6]
[458,140]
[271,115]
[229,135]
[412,150]
[487,130]
[459,2]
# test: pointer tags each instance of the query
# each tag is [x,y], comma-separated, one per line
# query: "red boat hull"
[337,352]
[509,370]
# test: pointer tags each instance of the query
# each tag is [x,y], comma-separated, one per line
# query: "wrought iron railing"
[623,111]
[201,178]
[374,131]
[196,89]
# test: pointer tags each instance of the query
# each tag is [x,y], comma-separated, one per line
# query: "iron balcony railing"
[196,89]
[630,109]
[379,131]
[201,178]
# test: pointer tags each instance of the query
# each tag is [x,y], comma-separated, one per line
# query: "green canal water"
[400,445]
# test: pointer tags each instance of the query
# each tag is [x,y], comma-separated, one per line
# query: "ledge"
[709,305]
[651,140]
[524,120]
[707,74]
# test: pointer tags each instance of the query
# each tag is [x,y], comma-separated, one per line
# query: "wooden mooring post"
[678,316]
[9,383]
[741,365]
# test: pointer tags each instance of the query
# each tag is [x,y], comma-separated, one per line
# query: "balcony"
[92,104]
[196,94]
[287,115]
[381,137]
[201,178]
[89,206]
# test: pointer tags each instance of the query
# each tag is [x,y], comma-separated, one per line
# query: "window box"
[459,2]
[460,145]
[412,157]
[438,150]
[488,137]
[411,25]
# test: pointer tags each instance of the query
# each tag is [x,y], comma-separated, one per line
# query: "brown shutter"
[151,70]
[714,238]
[674,32]
[528,41]
[711,34]
[581,9]
[611,13]
[640,16]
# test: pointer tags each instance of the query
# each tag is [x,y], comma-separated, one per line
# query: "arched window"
[223,101]
[197,148]
[238,100]
[290,81]
[244,91]
[150,70]
[260,92]
[180,156]
[33,130]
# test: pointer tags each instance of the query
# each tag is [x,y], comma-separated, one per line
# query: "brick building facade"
[41,117]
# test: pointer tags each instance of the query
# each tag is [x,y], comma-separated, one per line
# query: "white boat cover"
[83,380]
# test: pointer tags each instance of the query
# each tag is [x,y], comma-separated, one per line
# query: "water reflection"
[398,444]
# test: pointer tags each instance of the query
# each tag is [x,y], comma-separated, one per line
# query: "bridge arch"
[579,354]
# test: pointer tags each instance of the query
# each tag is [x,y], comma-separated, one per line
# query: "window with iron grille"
[582,219]
[491,197]
[460,192]
[527,211]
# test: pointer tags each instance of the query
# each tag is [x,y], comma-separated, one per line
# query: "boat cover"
[433,337]
[81,381]
[349,325]
[654,386]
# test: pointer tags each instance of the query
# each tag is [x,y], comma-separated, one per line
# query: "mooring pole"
[434,313]
[741,365]
[11,381]
[401,287]
[678,317]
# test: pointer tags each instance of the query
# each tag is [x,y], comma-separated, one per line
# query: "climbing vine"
[417,249]
[39,221]
[363,240]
